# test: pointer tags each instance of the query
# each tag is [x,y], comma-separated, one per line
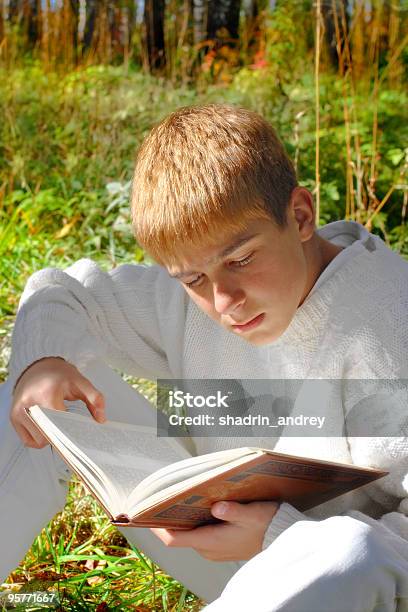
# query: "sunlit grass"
[88,562]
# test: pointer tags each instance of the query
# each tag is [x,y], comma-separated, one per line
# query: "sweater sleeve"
[392,526]
[131,317]
[286,516]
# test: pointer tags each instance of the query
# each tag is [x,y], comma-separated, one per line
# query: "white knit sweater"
[353,325]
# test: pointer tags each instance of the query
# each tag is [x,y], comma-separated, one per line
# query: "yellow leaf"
[94,580]
[64,231]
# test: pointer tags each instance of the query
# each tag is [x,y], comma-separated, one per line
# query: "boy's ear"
[301,208]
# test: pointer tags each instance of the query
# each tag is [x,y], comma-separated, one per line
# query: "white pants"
[336,565]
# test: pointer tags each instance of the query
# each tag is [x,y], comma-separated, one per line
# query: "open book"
[145,481]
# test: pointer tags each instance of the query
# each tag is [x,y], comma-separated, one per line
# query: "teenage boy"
[246,287]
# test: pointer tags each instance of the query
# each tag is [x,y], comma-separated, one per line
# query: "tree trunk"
[1,20]
[118,26]
[340,6]
[199,11]
[91,12]
[130,9]
[154,28]
[223,19]
[33,16]
[14,10]
[26,15]
[74,10]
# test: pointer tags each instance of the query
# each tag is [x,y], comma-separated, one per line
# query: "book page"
[124,453]
[184,470]
[147,501]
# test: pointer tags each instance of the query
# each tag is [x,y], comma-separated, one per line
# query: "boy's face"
[252,283]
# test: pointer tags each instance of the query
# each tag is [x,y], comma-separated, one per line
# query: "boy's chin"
[260,338]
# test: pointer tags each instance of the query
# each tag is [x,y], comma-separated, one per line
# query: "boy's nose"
[227,298]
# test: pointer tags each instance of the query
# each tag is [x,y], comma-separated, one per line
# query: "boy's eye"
[194,282]
[244,261]
[239,263]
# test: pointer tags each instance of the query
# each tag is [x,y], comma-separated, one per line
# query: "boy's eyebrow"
[238,242]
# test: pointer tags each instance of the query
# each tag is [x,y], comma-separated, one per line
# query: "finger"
[20,417]
[191,538]
[33,440]
[169,538]
[32,428]
[34,433]
[233,512]
[93,398]
[244,514]
[162,534]
[28,431]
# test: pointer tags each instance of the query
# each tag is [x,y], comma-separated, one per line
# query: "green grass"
[91,566]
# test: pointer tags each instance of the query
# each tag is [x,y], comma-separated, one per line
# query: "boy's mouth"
[249,324]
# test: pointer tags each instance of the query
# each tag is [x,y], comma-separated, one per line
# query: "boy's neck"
[319,253]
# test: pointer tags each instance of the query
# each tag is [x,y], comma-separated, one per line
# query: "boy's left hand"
[237,539]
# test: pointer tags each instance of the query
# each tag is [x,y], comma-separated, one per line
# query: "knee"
[319,566]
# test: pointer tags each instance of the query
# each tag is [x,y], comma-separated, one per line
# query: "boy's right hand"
[48,382]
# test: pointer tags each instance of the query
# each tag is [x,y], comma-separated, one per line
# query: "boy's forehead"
[209,252]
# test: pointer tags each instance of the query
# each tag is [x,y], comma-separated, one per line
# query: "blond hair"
[206,170]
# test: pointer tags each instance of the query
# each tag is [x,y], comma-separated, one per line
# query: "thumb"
[230,511]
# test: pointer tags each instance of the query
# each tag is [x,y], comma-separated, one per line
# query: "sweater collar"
[310,317]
